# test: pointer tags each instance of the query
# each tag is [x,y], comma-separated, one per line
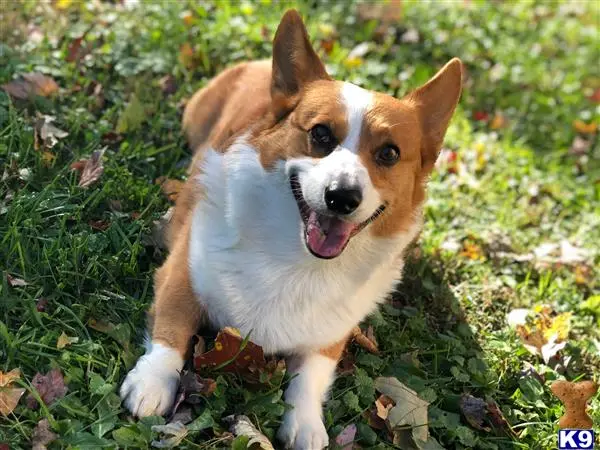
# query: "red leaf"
[346,437]
[481,116]
[595,97]
[50,387]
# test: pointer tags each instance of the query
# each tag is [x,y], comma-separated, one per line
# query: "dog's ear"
[435,102]
[295,63]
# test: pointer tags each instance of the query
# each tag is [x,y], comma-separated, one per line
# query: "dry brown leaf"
[363,340]
[170,187]
[42,435]
[47,134]
[90,169]
[575,397]
[383,405]
[386,12]
[187,56]
[474,411]
[16,282]
[29,85]
[9,395]
[50,387]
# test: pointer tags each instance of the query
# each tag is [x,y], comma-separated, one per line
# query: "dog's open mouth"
[326,236]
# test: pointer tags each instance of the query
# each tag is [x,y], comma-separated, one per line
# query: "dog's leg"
[302,427]
[150,387]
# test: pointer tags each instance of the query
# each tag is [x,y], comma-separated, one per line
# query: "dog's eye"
[322,136]
[388,155]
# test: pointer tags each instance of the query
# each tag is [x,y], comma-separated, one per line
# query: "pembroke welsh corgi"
[302,196]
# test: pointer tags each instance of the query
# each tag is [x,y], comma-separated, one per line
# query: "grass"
[530,65]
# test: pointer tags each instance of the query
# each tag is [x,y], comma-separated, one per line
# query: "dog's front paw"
[150,387]
[303,430]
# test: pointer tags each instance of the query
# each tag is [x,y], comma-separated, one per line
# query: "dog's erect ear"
[436,101]
[295,63]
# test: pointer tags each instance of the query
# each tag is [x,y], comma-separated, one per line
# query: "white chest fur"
[251,271]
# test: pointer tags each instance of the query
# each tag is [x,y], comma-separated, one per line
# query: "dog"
[302,196]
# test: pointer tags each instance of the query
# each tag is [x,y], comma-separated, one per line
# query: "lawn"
[513,215]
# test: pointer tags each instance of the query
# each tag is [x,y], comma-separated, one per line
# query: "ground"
[519,175]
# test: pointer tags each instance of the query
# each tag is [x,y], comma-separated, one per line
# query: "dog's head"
[356,160]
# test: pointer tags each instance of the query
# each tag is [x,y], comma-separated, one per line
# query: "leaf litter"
[241,425]
[9,394]
[42,435]
[29,85]
[91,169]
[50,387]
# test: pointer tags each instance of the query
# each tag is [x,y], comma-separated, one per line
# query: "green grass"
[445,332]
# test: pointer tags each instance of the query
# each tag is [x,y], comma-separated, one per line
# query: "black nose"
[342,200]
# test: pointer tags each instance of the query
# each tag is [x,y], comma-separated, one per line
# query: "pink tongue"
[327,236]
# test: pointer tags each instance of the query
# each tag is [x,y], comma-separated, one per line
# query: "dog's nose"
[342,200]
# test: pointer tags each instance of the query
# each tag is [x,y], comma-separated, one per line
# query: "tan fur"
[176,313]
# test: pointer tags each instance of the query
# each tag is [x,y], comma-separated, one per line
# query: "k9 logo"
[575,439]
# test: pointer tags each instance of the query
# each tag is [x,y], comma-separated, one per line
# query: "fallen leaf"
[595,97]
[193,385]
[50,387]
[173,434]
[231,353]
[42,435]
[16,282]
[383,406]
[499,121]
[543,332]
[74,52]
[170,187]
[240,425]
[187,56]
[132,116]
[474,411]
[409,409]
[346,437]
[481,116]
[584,128]
[48,158]
[9,395]
[90,169]
[64,340]
[41,304]
[46,133]
[364,341]
[575,397]
[100,225]
[29,85]
[472,251]
[497,419]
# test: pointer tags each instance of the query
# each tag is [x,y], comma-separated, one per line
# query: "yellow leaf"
[585,128]
[64,340]
[559,326]
[63,4]
[48,158]
[472,251]
[353,63]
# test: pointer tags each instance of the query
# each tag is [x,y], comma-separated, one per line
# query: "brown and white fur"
[244,250]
